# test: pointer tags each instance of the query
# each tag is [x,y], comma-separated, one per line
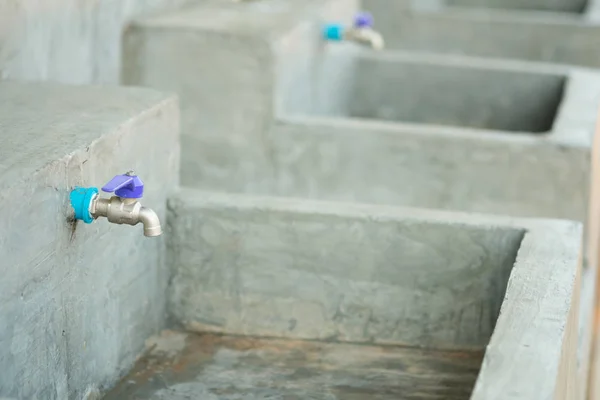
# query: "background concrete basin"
[559,31]
[440,132]
[435,91]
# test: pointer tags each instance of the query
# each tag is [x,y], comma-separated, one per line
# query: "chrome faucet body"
[124,208]
[122,211]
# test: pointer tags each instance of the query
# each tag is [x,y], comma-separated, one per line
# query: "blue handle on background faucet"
[363,20]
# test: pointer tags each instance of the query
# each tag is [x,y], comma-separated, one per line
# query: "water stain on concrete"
[214,367]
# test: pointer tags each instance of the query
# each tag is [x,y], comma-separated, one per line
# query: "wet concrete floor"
[182,366]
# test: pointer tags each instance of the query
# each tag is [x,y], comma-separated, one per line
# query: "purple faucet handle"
[127,186]
[363,20]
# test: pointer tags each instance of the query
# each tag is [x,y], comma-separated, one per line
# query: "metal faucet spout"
[360,32]
[126,211]
[151,222]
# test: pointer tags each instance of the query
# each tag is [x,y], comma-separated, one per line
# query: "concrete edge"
[455,60]
[493,16]
[575,121]
[394,128]
[8,181]
[198,198]
[538,322]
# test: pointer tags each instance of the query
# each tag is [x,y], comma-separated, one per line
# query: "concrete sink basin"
[563,31]
[407,89]
[439,132]
[428,293]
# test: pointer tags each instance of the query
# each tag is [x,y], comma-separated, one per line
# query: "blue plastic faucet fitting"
[333,32]
[81,201]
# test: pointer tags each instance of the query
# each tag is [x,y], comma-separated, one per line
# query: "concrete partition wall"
[378,274]
[77,301]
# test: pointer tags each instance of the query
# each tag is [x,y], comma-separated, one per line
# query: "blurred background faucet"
[361,32]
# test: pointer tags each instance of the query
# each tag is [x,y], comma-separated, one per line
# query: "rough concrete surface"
[493,28]
[78,301]
[333,271]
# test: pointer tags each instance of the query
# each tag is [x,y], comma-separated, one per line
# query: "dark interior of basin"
[567,6]
[403,91]
[456,96]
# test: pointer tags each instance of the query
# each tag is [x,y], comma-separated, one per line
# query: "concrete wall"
[270,268]
[69,41]
[77,301]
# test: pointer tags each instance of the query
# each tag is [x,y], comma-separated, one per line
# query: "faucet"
[361,32]
[123,208]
